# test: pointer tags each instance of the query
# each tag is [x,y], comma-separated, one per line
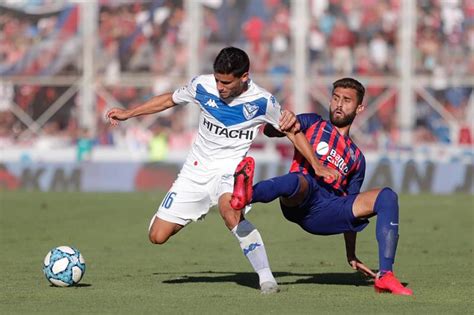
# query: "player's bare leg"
[250,242]
[384,204]
[160,230]
[363,206]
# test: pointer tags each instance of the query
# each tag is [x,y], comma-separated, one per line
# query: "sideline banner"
[403,176]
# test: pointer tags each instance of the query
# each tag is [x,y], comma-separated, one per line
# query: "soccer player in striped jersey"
[232,108]
[325,206]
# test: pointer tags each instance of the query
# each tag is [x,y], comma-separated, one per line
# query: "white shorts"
[188,201]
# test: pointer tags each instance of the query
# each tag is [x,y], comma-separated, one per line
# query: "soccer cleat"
[269,287]
[243,181]
[389,283]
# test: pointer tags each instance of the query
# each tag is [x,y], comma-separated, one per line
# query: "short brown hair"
[350,83]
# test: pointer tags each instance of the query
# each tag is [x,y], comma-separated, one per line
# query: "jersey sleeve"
[185,94]
[356,181]
[273,112]
[306,120]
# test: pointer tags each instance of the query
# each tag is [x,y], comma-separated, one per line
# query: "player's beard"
[223,96]
[343,120]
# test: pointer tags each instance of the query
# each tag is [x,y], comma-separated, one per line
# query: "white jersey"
[226,131]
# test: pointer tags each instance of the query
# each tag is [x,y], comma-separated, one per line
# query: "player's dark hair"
[232,60]
[350,83]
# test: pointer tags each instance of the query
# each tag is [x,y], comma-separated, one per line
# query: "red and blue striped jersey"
[333,150]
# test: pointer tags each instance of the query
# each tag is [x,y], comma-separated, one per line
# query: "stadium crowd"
[358,38]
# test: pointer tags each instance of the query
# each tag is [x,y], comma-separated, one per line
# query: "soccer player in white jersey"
[232,108]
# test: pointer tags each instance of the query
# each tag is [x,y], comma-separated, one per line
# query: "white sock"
[252,245]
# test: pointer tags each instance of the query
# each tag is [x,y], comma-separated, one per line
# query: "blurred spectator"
[104,136]
[53,137]
[341,41]
[378,48]
[466,135]
[179,138]
[316,43]
[7,137]
[8,181]
[158,146]
[84,145]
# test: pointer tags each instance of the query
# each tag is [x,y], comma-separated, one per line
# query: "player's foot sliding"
[243,181]
[389,283]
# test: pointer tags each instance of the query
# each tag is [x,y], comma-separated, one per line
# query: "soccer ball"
[64,266]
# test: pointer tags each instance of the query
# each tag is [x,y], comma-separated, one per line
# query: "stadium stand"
[142,48]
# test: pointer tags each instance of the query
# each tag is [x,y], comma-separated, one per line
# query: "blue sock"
[281,186]
[386,207]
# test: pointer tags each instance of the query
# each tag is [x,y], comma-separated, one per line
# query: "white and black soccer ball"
[64,266]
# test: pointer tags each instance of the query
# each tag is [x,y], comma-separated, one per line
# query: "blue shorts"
[324,213]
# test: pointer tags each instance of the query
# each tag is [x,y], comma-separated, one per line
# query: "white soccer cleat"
[269,287]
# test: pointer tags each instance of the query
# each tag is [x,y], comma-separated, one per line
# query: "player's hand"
[288,122]
[115,115]
[356,264]
[329,175]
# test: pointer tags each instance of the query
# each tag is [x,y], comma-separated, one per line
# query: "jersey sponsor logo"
[337,160]
[322,148]
[212,103]
[228,133]
[249,110]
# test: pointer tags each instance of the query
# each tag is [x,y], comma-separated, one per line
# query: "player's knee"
[231,219]
[300,193]
[230,216]
[156,237]
[388,195]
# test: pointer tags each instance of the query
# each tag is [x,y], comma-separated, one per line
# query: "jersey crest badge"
[249,110]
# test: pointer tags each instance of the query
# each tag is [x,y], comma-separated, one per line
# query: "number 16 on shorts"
[168,200]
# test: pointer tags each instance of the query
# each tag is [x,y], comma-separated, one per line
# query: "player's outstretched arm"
[290,127]
[354,262]
[301,144]
[289,122]
[154,105]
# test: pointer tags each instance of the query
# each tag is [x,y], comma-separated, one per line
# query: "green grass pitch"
[202,270]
